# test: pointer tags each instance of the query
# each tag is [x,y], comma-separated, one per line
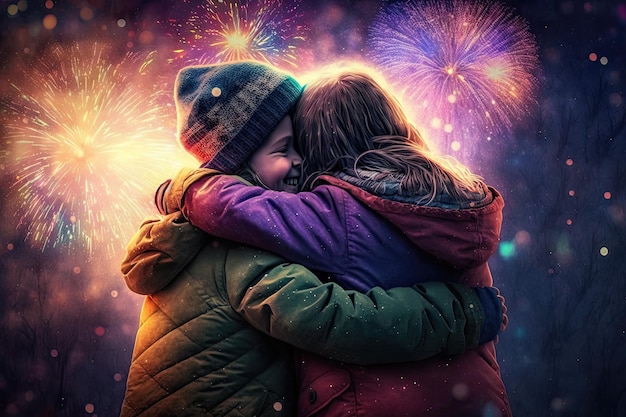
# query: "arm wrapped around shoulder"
[288,302]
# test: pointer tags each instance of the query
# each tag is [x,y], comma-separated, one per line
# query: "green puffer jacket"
[204,347]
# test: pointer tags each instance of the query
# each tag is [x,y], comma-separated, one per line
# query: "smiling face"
[276,162]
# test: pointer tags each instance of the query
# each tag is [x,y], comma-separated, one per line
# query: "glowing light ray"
[472,65]
[86,143]
[226,31]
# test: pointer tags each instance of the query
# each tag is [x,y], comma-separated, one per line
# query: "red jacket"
[467,385]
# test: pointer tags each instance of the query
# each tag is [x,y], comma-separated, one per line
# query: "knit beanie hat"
[226,111]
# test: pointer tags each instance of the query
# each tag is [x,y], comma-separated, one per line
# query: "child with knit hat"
[220,319]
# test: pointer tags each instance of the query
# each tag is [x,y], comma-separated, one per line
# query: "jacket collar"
[462,237]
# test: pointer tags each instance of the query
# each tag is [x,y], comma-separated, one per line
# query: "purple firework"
[468,69]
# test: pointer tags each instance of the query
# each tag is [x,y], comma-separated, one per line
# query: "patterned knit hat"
[226,111]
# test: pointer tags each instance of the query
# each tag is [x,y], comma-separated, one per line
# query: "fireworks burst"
[87,144]
[467,69]
[226,31]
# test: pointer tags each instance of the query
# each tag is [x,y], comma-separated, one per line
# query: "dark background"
[67,321]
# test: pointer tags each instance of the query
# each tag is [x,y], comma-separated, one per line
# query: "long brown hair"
[346,119]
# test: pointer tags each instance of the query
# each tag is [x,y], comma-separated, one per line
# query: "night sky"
[88,132]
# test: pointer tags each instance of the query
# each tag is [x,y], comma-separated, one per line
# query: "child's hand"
[494,308]
[505,318]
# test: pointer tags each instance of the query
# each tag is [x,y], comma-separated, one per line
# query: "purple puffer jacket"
[361,241]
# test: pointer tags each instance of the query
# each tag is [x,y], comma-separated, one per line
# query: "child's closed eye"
[281,150]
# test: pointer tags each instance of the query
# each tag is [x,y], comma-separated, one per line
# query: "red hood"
[464,238]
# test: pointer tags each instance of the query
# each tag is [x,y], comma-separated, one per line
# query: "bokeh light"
[49,21]
[507,249]
[12,9]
